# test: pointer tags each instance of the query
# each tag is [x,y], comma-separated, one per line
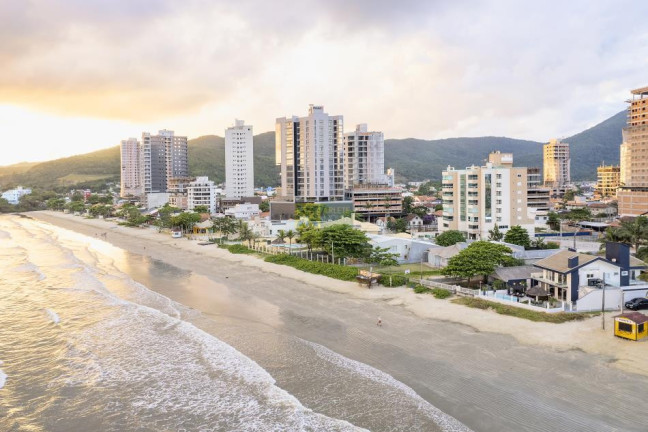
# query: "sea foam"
[53,316]
[446,422]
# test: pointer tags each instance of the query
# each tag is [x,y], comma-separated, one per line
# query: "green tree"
[201,209]
[224,226]
[5,207]
[281,236]
[480,258]
[310,235]
[77,196]
[438,207]
[518,236]
[408,204]
[634,232]
[382,256]
[75,206]
[425,189]
[568,196]
[246,234]
[264,206]
[448,238]
[185,220]
[397,225]
[56,203]
[345,240]
[495,234]
[553,221]
[314,212]
[290,235]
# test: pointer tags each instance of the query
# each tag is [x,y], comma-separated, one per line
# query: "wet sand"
[486,379]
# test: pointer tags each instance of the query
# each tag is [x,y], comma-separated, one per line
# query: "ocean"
[88,342]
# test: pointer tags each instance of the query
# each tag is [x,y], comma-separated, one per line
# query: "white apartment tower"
[310,152]
[162,157]
[477,198]
[131,178]
[239,161]
[556,164]
[364,154]
[201,192]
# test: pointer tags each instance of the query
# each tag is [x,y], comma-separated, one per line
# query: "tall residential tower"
[557,163]
[131,179]
[163,157]
[239,160]
[364,154]
[633,193]
[310,152]
[477,198]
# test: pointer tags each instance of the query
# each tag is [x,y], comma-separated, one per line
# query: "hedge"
[559,317]
[237,248]
[439,293]
[334,271]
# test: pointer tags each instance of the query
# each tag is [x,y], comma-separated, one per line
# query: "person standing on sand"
[379,323]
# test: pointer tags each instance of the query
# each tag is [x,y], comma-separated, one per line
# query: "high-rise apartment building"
[364,157]
[557,163]
[162,158]
[310,152]
[239,161]
[607,180]
[131,179]
[538,196]
[477,198]
[633,176]
[201,192]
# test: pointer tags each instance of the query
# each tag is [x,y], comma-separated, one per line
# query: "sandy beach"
[489,371]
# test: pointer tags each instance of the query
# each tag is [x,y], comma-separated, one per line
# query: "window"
[624,327]
[640,327]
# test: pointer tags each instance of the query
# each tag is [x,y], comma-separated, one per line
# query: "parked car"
[637,303]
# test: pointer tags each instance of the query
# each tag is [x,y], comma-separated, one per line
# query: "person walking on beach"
[379,323]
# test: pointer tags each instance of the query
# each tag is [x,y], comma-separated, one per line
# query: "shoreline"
[585,336]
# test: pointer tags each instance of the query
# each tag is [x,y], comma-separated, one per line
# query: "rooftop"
[559,261]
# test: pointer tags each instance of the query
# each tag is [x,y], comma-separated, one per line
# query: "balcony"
[540,278]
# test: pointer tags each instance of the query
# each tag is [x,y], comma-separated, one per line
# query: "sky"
[81,75]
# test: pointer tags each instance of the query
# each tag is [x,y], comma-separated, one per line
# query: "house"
[414,222]
[382,222]
[439,256]
[516,278]
[569,275]
[409,250]
[245,211]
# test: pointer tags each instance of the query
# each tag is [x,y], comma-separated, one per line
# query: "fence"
[507,300]
[311,256]
[455,289]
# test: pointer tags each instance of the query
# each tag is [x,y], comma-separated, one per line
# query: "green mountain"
[413,159]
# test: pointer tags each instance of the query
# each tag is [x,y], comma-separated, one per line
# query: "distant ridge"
[413,159]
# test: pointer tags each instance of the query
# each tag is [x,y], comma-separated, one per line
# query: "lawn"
[502,309]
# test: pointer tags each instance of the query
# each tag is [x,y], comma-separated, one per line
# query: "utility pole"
[421,271]
[603,305]
[332,253]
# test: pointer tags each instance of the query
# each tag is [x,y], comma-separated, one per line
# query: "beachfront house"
[409,250]
[577,278]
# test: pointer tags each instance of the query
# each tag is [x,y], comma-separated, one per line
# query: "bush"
[334,271]
[420,289]
[441,293]
[396,280]
[531,315]
[237,249]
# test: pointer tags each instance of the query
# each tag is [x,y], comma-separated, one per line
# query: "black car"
[637,303]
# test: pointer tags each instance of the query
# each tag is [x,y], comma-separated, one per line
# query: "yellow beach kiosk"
[631,325]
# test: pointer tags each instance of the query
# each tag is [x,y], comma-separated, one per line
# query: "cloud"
[410,68]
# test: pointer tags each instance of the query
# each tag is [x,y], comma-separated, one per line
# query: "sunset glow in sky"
[80,75]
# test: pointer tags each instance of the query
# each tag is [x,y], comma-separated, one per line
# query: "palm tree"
[246,233]
[290,234]
[281,235]
[634,232]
